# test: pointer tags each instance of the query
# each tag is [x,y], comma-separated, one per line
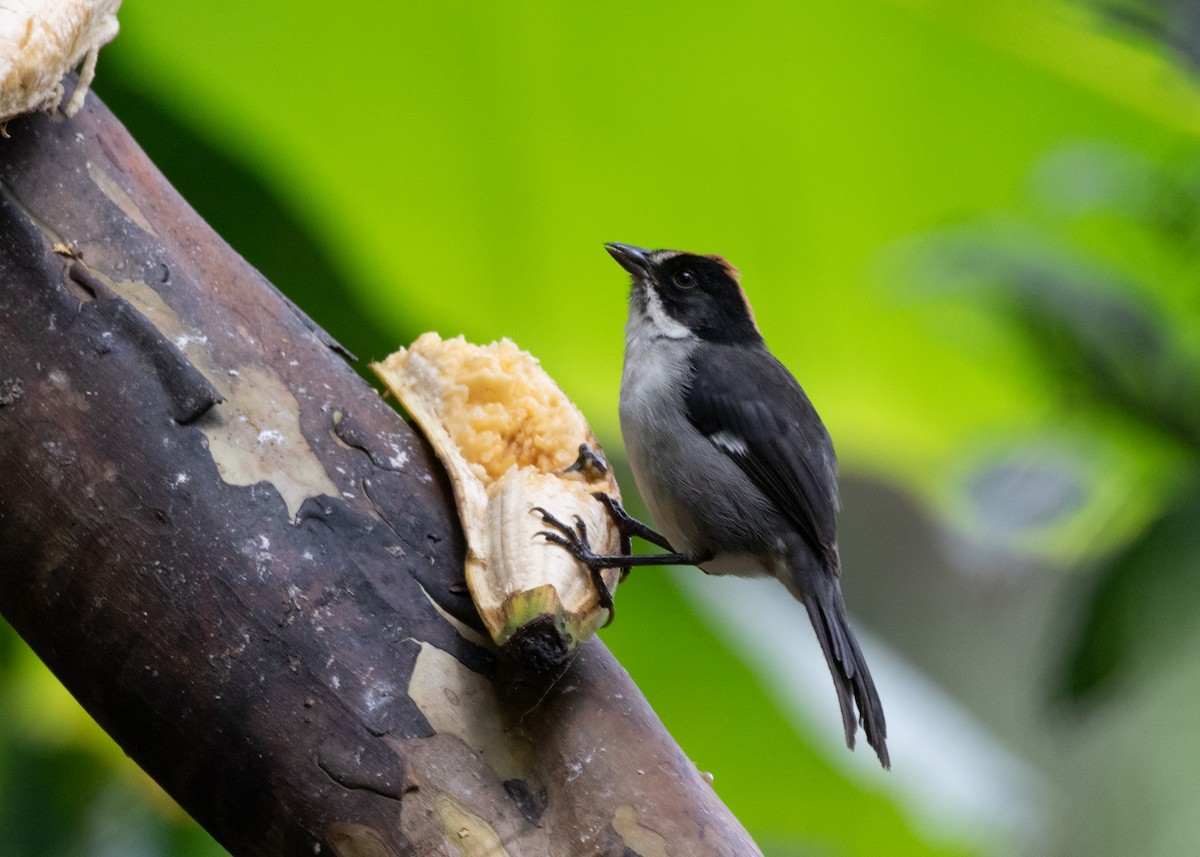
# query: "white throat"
[652,321]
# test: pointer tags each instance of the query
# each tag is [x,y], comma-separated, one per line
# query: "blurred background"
[970,228]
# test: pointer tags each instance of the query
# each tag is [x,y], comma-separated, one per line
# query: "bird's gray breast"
[700,499]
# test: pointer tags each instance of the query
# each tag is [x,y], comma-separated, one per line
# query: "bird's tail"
[827,611]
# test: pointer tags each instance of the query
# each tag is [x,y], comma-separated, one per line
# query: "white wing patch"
[731,443]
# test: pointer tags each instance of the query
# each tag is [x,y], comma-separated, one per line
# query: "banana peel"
[511,442]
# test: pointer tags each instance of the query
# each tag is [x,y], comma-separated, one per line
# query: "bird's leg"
[575,540]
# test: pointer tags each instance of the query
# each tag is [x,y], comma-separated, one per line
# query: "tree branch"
[248,568]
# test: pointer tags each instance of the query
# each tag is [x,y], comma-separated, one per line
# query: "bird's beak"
[635,260]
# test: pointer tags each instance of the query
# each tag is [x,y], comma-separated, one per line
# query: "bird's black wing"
[749,405]
[752,409]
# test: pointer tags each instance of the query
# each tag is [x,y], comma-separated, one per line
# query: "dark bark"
[248,568]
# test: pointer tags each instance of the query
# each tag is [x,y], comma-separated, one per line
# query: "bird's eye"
[685,279]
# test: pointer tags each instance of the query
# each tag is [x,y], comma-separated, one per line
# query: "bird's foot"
[629,526]
[590,464]
[575,540]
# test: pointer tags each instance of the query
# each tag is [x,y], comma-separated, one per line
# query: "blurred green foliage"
[969,228]
[1098,279]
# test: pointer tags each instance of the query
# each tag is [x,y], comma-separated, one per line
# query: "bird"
[731,458]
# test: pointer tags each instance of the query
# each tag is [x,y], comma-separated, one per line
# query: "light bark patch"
[466,831]
[643,840]
[119,198]
[462,703]
[254,435]
[357,840]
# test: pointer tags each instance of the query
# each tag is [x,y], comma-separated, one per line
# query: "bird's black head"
[682,294]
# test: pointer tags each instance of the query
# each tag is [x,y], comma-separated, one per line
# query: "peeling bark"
[248,568]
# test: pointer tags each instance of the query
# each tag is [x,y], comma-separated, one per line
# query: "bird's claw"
[556,523]
[616,511]
[590,464]
[575,540]
[629,526]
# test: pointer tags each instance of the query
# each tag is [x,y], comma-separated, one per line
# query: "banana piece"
[511,441]
[42,40]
